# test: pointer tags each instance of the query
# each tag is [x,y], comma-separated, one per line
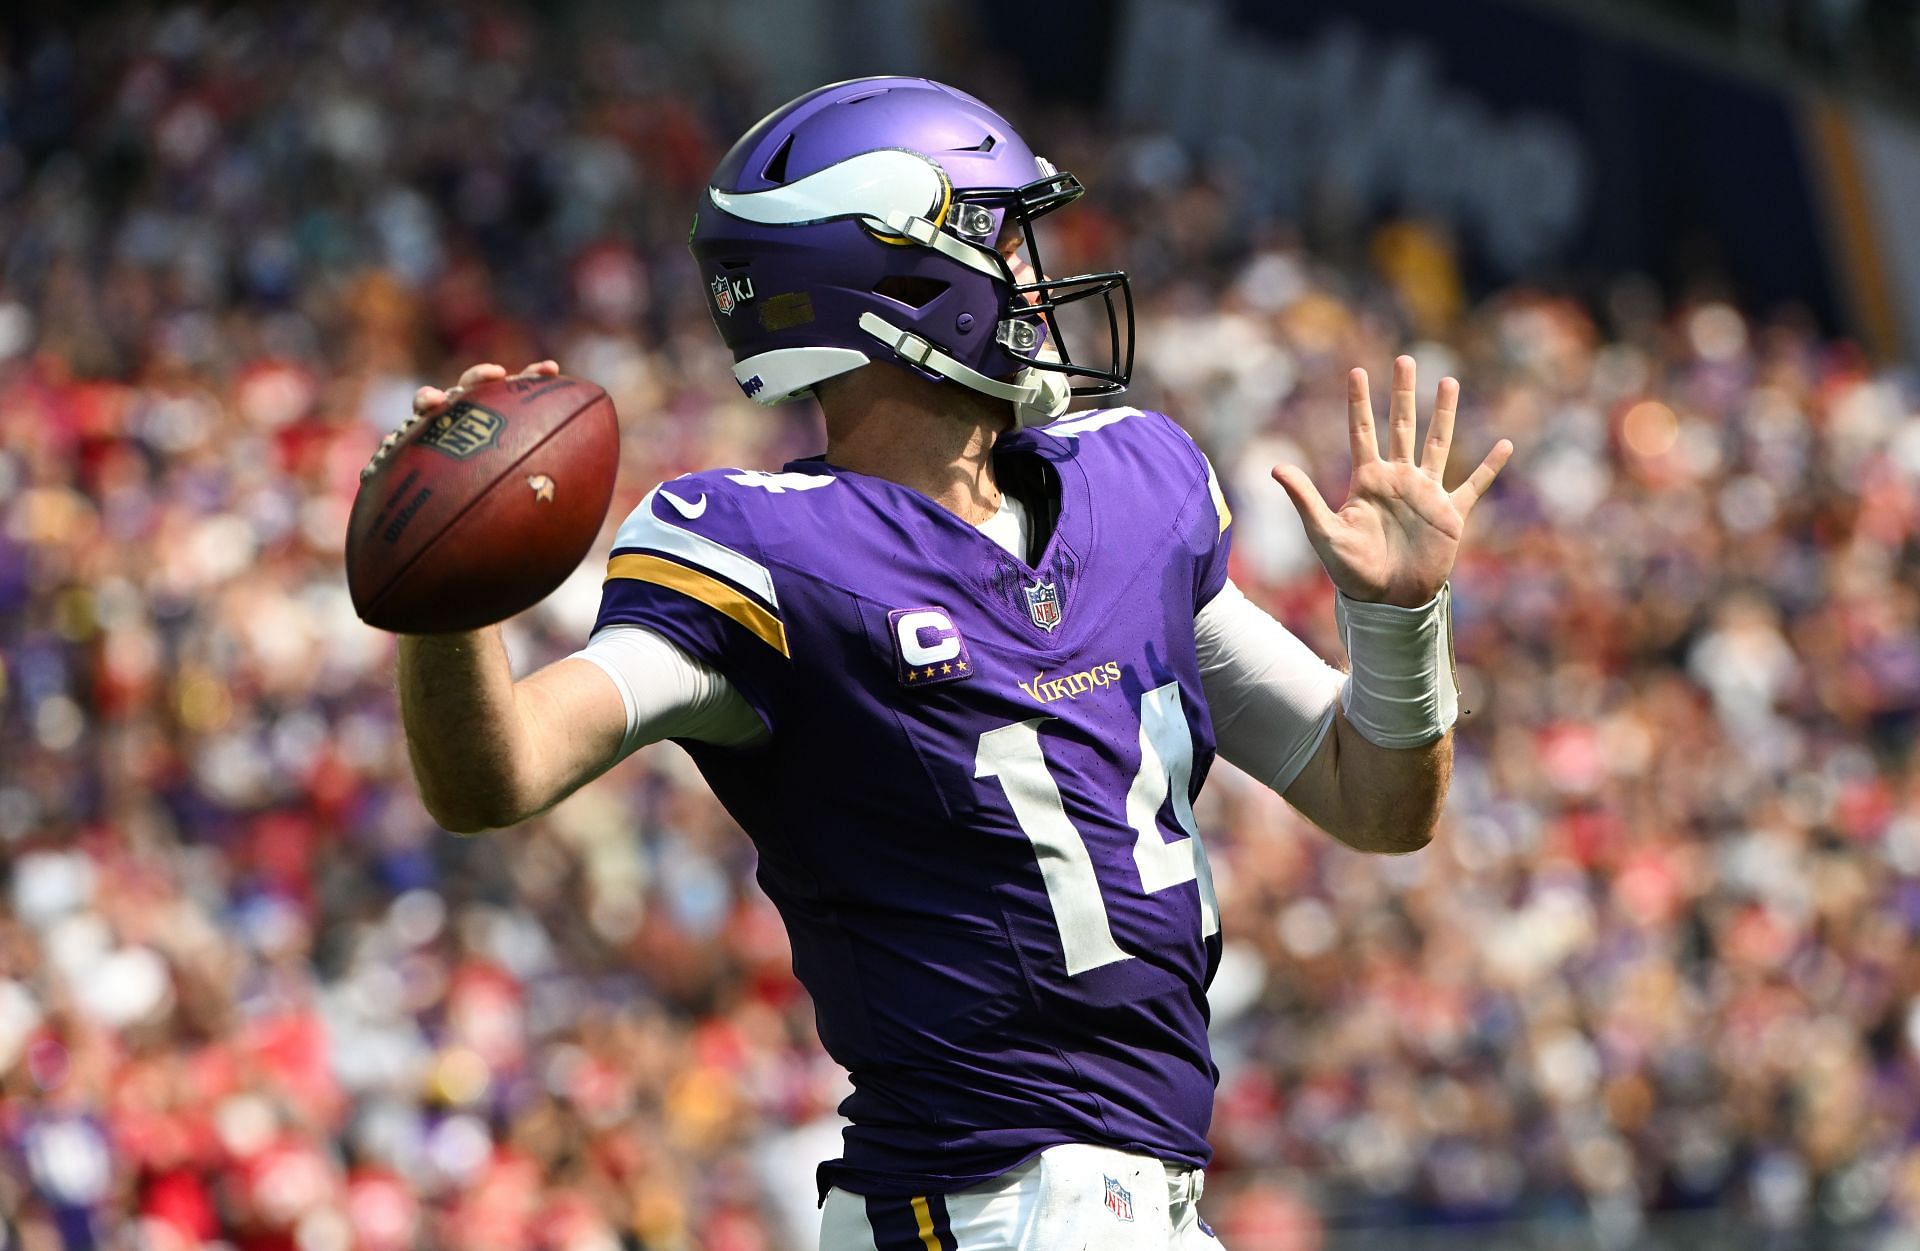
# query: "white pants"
[1065,1199]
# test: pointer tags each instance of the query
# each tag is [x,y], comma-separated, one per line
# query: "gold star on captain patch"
[928,673]
[961,665]
[946,668]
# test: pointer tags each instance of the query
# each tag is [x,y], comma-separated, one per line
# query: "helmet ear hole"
[910,291]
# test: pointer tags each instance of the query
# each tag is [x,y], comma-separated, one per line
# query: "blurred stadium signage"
[1553,147]
[1367,118]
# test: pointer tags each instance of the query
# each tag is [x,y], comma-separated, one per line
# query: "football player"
[961,677]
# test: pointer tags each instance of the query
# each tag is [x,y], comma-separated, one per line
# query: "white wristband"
[1402,690]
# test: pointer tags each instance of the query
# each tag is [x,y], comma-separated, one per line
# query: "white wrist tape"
[1402,690]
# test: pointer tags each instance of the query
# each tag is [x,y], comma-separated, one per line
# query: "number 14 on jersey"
[1012,754]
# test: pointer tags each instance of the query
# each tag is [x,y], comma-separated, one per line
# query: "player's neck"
[942,449]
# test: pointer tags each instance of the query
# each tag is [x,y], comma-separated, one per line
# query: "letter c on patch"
[926,637]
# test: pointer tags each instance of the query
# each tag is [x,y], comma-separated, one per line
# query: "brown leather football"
[480,511]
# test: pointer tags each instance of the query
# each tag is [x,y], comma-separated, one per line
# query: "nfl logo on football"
[1043,605]
[1119,1200]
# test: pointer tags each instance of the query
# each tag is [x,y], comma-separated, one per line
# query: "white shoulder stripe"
[1220,509]
[643,530]
[1087,423]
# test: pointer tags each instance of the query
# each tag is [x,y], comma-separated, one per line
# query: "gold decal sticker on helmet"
[787,310]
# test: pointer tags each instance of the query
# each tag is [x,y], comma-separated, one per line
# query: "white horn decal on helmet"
[875,185]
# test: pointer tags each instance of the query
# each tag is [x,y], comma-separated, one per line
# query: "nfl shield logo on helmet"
[1119,1200]
[1043,605]
[722,294]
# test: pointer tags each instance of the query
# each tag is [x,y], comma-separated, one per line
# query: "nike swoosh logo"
[690,511]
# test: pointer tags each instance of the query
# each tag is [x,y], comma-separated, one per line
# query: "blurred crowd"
[1657,959]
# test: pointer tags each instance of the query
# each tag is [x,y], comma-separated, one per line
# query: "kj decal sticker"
[730,293]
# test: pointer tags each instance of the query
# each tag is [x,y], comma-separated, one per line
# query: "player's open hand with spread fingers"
[1395,539]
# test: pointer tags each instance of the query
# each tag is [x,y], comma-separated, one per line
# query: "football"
[479,511]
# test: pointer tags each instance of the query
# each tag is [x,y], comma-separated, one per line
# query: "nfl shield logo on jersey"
[722,295]
[1043,605]
[1119,1200]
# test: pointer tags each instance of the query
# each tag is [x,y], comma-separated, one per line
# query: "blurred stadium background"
[1653,986]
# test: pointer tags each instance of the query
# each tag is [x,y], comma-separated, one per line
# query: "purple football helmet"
[861,222]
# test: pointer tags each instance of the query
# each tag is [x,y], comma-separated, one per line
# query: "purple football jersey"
[974,809]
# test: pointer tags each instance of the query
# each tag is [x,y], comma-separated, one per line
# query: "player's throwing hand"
[430,400]
[433,399]
[1395,539]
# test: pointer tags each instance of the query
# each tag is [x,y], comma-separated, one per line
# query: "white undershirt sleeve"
[1271,698]
[669,694]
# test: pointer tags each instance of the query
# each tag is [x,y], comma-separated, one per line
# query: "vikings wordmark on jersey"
[1072,685]
[974,813]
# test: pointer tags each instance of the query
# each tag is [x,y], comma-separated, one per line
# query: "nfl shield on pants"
[1067,1196]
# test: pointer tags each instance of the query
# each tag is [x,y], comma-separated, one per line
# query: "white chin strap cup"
[1037,395]
[1055,394]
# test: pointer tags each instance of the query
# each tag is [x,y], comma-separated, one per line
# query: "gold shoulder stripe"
[712,592]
